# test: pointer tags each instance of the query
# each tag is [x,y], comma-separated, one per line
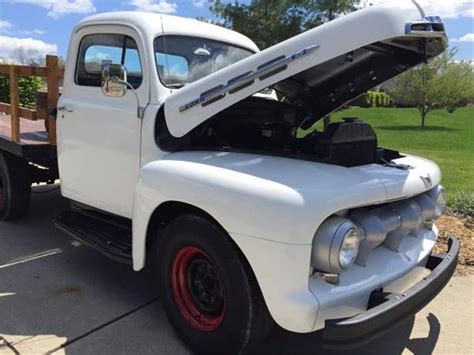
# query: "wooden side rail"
[52,73]
[29,114]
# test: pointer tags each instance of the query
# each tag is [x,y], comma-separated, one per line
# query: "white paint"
[270,206]
[99,141]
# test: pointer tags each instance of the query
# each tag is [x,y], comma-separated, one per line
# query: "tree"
[27,56]
[437,84]
[456,85]
[268,22]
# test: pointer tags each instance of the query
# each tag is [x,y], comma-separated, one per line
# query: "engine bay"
[281,120]
[267,126]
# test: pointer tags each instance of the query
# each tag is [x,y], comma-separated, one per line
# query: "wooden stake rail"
[52,73]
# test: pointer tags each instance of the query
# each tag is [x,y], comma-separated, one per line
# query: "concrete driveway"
[58,296]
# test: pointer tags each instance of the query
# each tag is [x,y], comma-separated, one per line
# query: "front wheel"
[209,293]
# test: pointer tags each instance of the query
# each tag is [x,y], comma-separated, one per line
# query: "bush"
[27,87]
[372,99]
[463,203]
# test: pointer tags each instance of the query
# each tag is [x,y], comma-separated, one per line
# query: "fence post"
[14,103]
[52,80]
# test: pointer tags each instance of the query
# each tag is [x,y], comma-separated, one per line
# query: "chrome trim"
[244,79]
[327,243]
[378,226]
[427,21]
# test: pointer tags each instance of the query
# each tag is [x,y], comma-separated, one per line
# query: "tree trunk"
[423,112]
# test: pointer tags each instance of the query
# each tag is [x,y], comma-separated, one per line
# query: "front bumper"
[387,310]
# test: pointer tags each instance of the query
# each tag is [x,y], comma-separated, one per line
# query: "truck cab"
[101,150]
[186,150]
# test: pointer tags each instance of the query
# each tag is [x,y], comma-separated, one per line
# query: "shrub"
[372,99]
[463,203]
[27,87]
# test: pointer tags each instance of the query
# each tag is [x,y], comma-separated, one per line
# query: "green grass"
[447,139]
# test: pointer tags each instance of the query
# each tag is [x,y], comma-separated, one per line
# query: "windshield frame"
[165,36]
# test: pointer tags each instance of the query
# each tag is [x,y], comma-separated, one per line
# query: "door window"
[99,49]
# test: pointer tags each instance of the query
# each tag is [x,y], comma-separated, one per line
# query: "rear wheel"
[15,187]
[209,293]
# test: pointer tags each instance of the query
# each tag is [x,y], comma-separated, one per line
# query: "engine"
[259,125]
[348,143]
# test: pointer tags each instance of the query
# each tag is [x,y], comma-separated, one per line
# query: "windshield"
[181,60]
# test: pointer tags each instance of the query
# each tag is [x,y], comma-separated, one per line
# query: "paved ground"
[57,296]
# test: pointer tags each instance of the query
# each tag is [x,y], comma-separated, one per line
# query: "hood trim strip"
[265,70]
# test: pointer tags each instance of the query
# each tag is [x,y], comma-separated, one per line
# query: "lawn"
[447,139]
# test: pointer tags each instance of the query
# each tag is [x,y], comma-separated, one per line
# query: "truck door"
[99,136]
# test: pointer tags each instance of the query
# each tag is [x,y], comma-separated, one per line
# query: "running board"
[103,233]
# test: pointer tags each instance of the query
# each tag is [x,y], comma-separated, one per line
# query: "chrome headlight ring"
[335,245]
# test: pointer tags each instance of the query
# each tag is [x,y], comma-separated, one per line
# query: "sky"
[45,25]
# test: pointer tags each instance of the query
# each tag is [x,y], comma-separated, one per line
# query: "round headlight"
[335,245]
[349,248]
[440,201]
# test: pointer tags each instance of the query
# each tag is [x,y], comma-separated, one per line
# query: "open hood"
[323,68]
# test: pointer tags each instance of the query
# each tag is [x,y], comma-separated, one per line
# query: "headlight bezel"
[328,242]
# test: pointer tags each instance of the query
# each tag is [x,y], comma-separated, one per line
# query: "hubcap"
[196,288]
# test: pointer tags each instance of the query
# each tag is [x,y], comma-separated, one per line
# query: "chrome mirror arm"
[140,109]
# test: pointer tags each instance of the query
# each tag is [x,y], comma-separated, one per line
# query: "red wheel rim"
[196,289]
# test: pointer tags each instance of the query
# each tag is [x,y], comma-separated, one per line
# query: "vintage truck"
[179,146]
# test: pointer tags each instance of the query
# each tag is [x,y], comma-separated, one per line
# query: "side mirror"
[114,79]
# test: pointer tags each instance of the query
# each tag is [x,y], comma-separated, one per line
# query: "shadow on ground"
[392,343]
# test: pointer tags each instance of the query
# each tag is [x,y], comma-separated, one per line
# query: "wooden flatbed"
[23,131]
[34,139]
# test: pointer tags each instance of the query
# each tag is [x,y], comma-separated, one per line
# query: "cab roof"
[153,24]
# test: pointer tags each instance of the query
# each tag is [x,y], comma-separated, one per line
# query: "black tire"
[243,318]
[15,187]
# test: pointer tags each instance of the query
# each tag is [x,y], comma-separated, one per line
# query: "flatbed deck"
[31,132]
[34,141]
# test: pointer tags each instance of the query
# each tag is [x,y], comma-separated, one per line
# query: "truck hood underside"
[320,69]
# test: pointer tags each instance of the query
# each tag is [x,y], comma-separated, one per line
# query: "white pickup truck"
[177,145]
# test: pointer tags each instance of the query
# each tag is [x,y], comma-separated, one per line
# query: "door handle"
[65,108]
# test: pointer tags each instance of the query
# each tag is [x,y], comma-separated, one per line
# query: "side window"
[97,50]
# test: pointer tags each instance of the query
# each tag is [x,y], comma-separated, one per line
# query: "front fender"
[281,269]
[271,221]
